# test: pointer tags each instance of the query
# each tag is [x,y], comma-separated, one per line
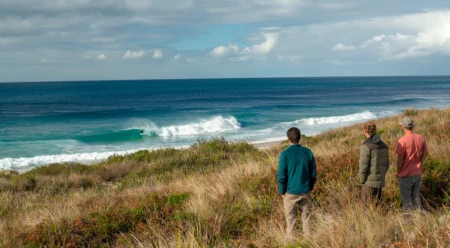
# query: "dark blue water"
[86,121]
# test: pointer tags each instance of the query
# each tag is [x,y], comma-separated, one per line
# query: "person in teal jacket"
[296,180]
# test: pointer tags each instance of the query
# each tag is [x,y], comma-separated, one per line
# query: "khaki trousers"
[292,203]
[369,194]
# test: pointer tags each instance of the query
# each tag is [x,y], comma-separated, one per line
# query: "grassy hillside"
[221,194]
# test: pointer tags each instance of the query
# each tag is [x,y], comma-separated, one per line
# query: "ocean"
[54,122]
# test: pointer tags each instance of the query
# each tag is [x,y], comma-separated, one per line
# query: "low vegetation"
[222,194]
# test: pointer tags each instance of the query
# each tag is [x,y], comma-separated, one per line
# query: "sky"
[70,40]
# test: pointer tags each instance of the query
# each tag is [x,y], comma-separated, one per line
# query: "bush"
[410,112]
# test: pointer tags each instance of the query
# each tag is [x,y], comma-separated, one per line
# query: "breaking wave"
[23,164]
[217,124]
[366,115]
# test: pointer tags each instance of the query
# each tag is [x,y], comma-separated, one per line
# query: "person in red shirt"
[411,152]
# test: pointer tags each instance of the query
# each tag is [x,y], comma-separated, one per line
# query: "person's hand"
[282,196]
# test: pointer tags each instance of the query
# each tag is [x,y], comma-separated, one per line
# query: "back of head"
[408,123]
[294,135]
[370,128]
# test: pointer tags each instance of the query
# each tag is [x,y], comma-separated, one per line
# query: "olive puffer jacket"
[373,162]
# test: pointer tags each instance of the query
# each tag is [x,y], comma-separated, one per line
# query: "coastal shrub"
[116,171]
[213,145]
[410,112]
[135,178]
[103,227]
[177,199]
[24,183]
[8,174]
[61,169]
[5,184]
[232,218]
[436,182]
[262,193]
[340,172]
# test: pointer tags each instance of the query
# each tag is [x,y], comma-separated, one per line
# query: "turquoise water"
[48,122]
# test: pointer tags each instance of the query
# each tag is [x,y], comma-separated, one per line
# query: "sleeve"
[312,180]
[399,150]
[364,162]
[282,174]
[424,148]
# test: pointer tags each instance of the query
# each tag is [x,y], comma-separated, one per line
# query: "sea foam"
[366,115]
[216,124]
[23,164]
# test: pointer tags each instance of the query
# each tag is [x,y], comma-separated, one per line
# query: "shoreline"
[267,144]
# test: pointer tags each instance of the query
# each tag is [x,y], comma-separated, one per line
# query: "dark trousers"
[370,194]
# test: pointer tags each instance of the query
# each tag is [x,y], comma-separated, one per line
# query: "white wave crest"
[389,113]
[366,115]
[216,124]
[23,164]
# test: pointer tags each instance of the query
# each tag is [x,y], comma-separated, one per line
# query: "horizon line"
[218,78]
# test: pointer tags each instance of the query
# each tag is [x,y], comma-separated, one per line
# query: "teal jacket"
[296,170]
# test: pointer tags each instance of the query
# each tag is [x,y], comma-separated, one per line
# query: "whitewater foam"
[23,164]
[217,124]
[366,115]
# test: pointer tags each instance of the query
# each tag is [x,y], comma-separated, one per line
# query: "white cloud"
[133,55]
[341,47]
[101,56]
[157,54]
[401,46]
[176,57]
[384,38]
[222,51]
[255,51]
[265,47]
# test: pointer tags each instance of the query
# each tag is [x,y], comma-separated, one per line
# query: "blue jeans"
[410,191]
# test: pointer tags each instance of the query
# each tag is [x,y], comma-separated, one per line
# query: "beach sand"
[266,145]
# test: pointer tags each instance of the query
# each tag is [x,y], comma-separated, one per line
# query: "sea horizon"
[220,78]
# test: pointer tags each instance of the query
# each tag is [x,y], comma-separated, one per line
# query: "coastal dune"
[224,194]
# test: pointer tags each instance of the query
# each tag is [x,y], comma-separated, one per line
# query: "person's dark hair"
[294,135]
[370,128]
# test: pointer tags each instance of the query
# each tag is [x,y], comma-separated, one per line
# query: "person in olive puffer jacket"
[373,164]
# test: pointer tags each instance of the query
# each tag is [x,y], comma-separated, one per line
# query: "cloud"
[255,51]
[157,54]
[176,57]
[133,55]
[341,47]
[222,51]
[101,56]
[265,47]
[400,46]
[395,38]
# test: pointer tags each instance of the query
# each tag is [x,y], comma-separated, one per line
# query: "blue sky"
[51,40]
